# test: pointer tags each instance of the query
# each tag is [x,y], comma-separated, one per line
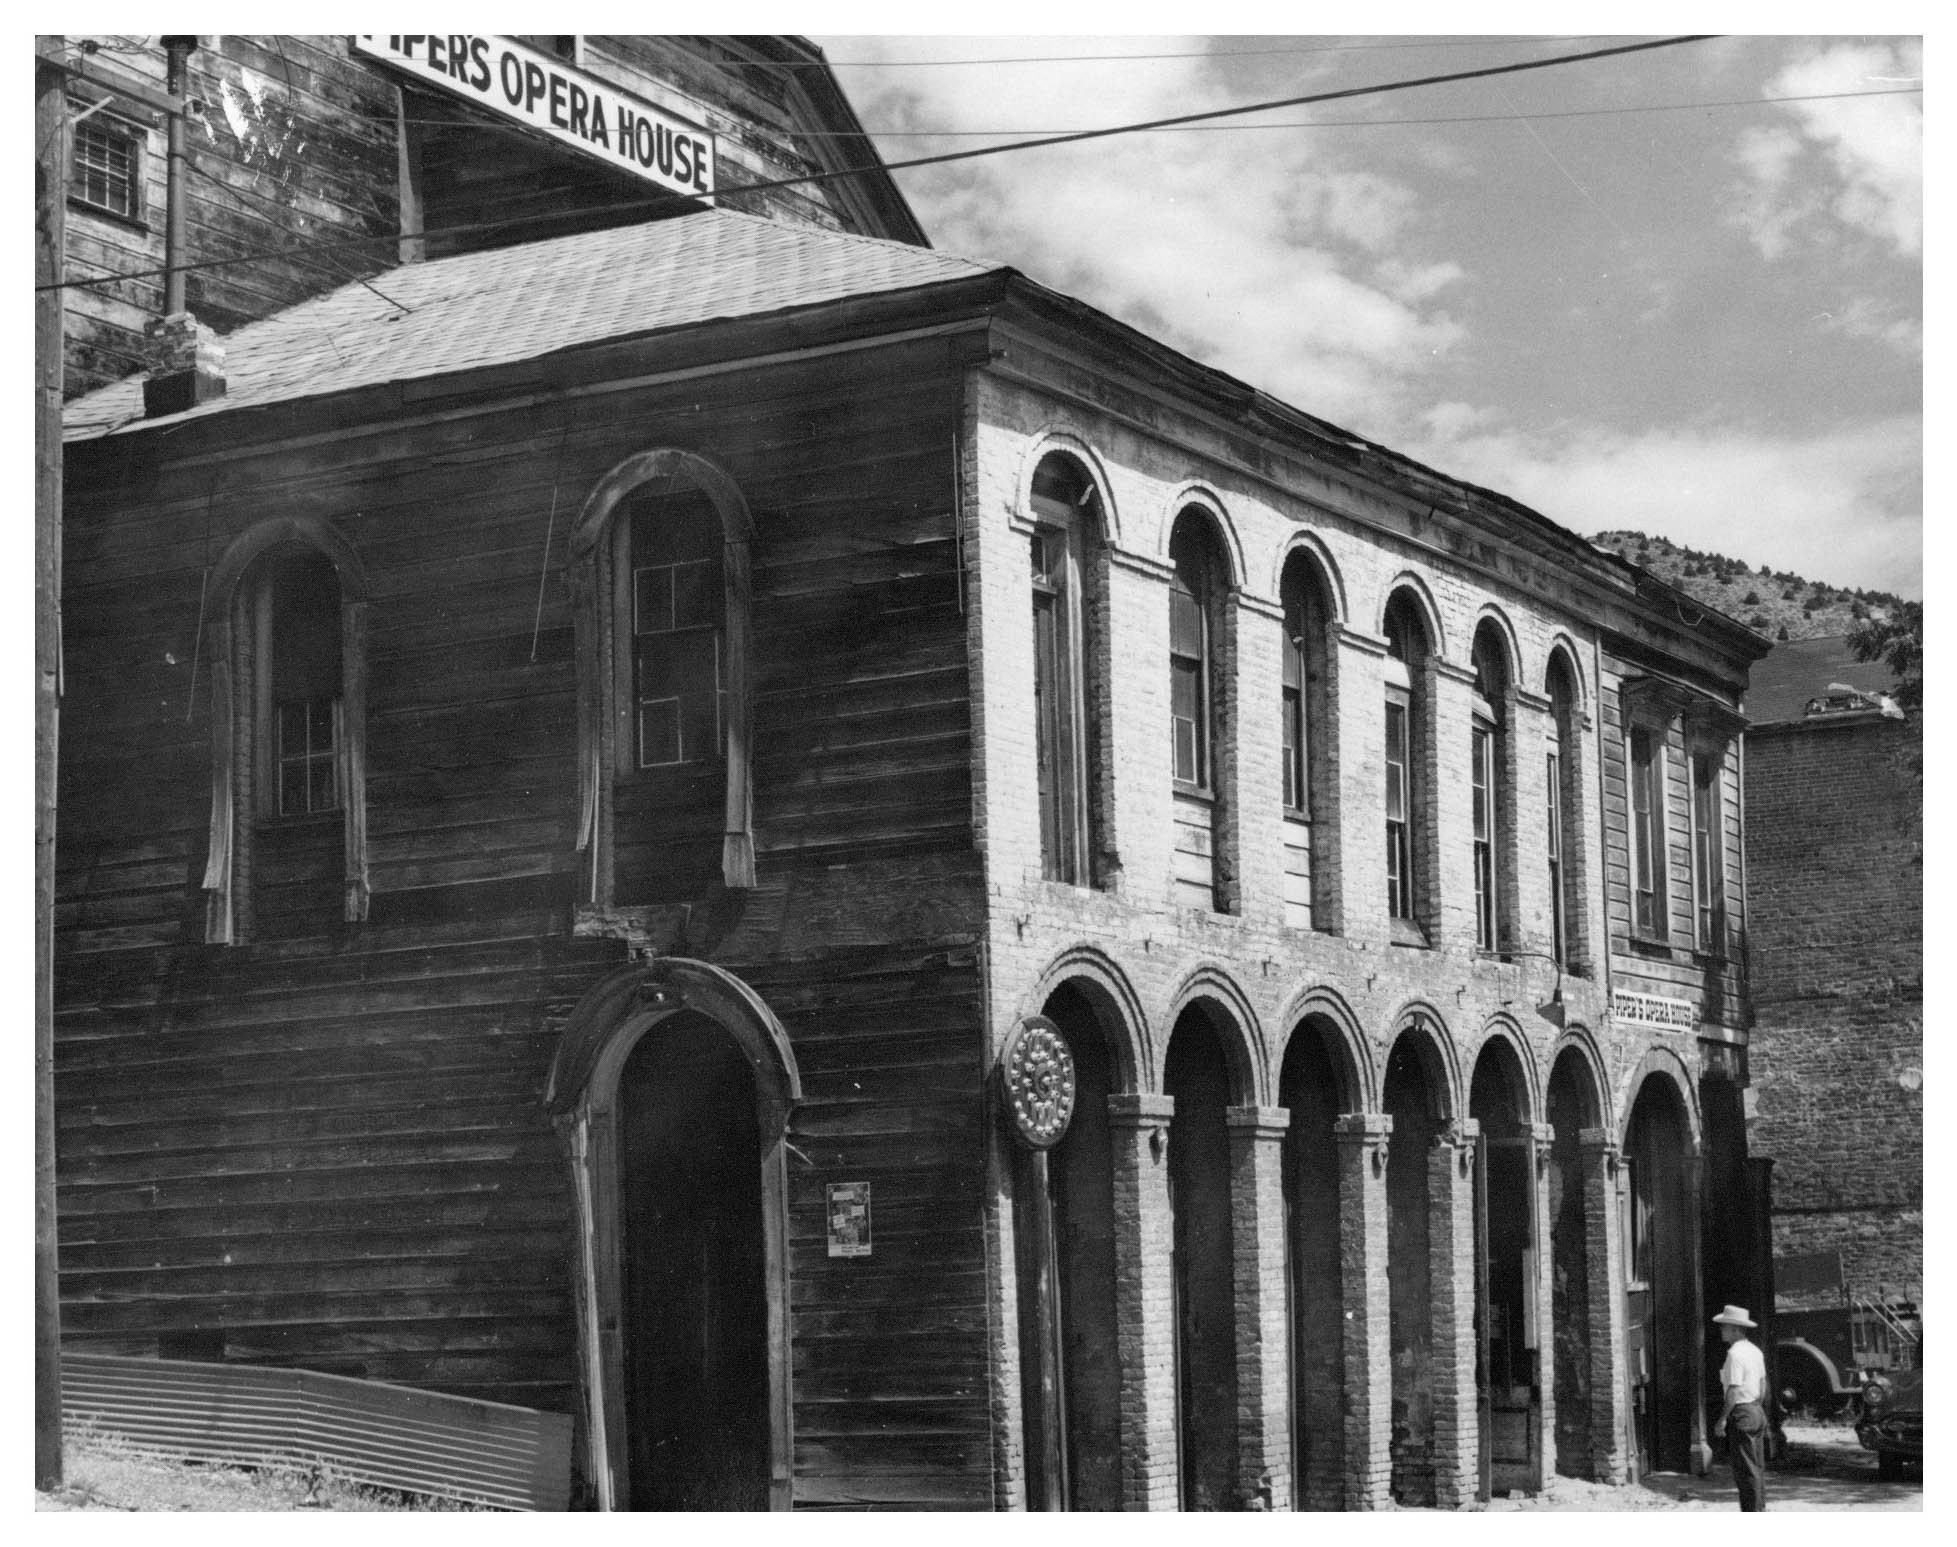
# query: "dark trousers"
[1746,1448]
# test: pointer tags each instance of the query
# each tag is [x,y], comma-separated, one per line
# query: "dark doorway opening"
[1199,1199]
[1069,1354]
[1410,1099]
[1310,1086]
[1572,1108]
[695,1304]
[1507,1370]
[1659,1299]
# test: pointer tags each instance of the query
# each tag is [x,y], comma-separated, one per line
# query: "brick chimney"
[186,365]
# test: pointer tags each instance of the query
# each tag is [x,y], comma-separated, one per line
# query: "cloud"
[1858,159]
[1845,507]
[1263,254]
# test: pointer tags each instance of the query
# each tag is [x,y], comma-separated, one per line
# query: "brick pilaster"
[1144,1292]
[1610,1418]
[1451,1259]
[1257,1226]
[1362,1139]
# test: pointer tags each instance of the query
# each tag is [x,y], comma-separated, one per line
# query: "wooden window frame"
[1553,837]
[1408,674]
[240,701]
[1485,781]
[601,610]
[1708,849]
[1649,822]
[1064,646]
[1200,669]
[95,120]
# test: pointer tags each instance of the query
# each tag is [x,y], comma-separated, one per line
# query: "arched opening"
[672,1086]
[1199,711]
[1660,1328]
[1571,1205]
[1316,1087]
[1309,749]
[1069,1349]
[1410,769]
[693,1261]
[1197,1076]
[1069,576]
[1412,1096]
[1506,1315]
[1734,1229]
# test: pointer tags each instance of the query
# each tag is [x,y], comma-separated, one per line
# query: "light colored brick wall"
[1263,1365]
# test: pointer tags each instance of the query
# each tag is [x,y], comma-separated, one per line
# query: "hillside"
[1765,600]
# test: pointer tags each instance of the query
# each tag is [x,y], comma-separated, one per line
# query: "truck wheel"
[1804,1384]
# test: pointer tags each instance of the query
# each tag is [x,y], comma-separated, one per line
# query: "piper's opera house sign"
[571,106]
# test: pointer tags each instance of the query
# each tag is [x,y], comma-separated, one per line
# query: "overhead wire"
[1075,137]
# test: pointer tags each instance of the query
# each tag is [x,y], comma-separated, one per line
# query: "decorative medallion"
[1038,1070]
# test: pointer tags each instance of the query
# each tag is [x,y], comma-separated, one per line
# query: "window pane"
[659,732]
[292,788]
[653,601]
[324,797]
[1185,737]
[1185,624]
[697,600]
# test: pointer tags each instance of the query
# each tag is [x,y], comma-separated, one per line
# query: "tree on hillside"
[1896,641]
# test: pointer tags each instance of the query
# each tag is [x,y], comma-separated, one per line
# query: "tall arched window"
[288,839]
[1197,592]
[1493,793]
[1409,897]
[1308,753]
[1563,831]
[1065,543]
[660,581]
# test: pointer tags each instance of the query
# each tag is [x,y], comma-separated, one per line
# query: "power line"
[1193,53]
[1074,138]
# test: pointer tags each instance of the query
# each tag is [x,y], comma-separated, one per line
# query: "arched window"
[661,589]
[1197,592]
[288,840]
[1493,791]
[1066,538]
[1308,752]
[1409,891]
[1563,835]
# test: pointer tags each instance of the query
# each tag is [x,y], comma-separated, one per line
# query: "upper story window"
[1709,852]
[1562,849]
[661,599]
[288,840]
[1488,760]
[1308,748]
[107,167]
[1192,629]
[1065,512]
[1405,672]
[1648,851]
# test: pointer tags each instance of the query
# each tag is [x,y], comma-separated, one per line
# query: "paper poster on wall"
[849,1219]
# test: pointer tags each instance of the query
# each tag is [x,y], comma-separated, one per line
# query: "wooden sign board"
[558,100]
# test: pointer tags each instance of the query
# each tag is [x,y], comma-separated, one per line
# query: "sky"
[1704,323]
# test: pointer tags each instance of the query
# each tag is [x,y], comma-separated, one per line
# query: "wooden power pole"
[50,229]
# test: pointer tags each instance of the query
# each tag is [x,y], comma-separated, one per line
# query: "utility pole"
[50,230]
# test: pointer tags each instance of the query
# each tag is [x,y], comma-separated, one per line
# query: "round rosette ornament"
[1037,1071]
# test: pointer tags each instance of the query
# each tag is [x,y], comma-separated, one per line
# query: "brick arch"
[1353,1051]
[1502,1038]
[1319,557]
[1496,621]
[1118,1008]
[1577,1043]
[1434,1045]
[1050,438]
[1200,496]
[1237,1028]
[1662,1064]
[1423,599]
[1563,647]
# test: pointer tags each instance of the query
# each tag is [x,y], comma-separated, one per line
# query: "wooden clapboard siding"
[328,1149]
[1195,863]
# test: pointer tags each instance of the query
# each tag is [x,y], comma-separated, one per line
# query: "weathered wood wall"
[330,1150]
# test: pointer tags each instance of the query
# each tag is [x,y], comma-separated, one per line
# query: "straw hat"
[1735,1316]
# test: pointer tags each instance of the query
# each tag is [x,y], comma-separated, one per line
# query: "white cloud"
[1845,507]
[1857,158]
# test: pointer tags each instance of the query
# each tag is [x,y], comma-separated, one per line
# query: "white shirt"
[1744,1373]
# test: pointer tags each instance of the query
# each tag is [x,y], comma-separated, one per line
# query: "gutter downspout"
[176,227]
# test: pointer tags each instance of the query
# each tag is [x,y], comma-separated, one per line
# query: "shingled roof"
[515,303]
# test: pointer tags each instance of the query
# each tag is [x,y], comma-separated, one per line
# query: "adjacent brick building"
[1834,789]
[577,770]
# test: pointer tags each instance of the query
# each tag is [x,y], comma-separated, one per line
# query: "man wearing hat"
[1743,1421]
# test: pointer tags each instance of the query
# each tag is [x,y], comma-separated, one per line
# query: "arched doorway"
[1573,1108]
[1661,1331]
[1413,1096]
[1197,1076]
[1507,1344]
[672,1085]
[1069,1350]
[1316,1087]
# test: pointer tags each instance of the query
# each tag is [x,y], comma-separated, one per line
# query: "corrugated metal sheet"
[384,1436]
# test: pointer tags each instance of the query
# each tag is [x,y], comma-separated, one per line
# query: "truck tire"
[1805,1384]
